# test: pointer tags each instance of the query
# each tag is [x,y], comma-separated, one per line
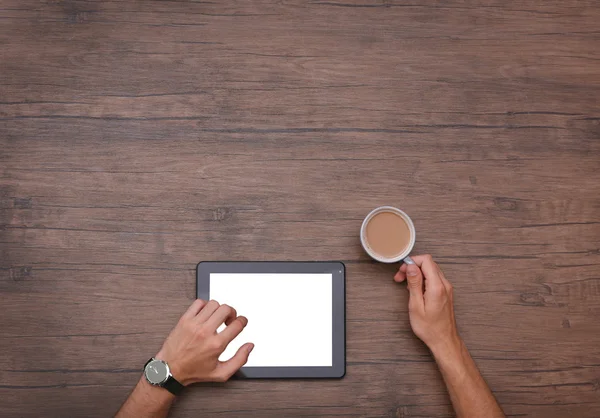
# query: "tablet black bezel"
[338,272]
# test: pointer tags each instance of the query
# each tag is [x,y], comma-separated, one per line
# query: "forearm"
[469,393]
[146,401]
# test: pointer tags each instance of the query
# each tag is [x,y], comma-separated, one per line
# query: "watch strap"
[173,386]
[151,358]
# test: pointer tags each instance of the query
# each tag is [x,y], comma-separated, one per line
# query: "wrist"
[146,400]
[156,394]
[176,371]
[449,349]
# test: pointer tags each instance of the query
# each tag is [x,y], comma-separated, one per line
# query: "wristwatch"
[157,373]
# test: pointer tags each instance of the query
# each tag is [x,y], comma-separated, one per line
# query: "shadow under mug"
[404,255]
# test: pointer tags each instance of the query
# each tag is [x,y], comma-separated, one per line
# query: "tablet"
[295,310]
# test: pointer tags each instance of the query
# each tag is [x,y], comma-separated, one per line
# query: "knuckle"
[220,377]
[414,284]
[216,345]
[188,325]
[414,307]
[201,332]
[435,291]
[428,257]
[236,325]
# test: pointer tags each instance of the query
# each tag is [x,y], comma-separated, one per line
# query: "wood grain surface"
[138,138]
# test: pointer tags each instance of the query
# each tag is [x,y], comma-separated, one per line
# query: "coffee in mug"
[388,235]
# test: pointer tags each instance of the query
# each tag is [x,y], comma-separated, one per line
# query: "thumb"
[228,368]
[414,279]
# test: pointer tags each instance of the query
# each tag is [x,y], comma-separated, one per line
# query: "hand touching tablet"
[191,354]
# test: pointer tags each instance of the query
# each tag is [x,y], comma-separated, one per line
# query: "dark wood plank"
[138,138]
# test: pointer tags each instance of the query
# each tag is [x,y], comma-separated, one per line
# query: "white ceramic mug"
[404,256]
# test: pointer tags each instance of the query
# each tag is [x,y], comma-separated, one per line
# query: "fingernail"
[412,270]
[250,348]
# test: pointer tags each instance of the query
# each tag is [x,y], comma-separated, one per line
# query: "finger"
[433,281]
[233,330]
[223,314]
[194,308]
[207,311]
[401,275]
[227,368]
[434,287]
[231,318]
[427,265]
[446,284]
[440,272]
[414,279]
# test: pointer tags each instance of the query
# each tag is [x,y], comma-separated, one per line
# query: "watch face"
[157,372]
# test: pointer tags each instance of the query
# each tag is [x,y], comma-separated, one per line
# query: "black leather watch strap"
[173,386]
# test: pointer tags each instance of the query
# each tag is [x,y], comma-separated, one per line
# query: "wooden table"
[138,138]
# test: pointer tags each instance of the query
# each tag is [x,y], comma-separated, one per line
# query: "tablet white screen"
[289,316]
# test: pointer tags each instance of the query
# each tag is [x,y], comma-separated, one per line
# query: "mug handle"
[408,260]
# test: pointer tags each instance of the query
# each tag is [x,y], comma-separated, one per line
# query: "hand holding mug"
[430,305]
